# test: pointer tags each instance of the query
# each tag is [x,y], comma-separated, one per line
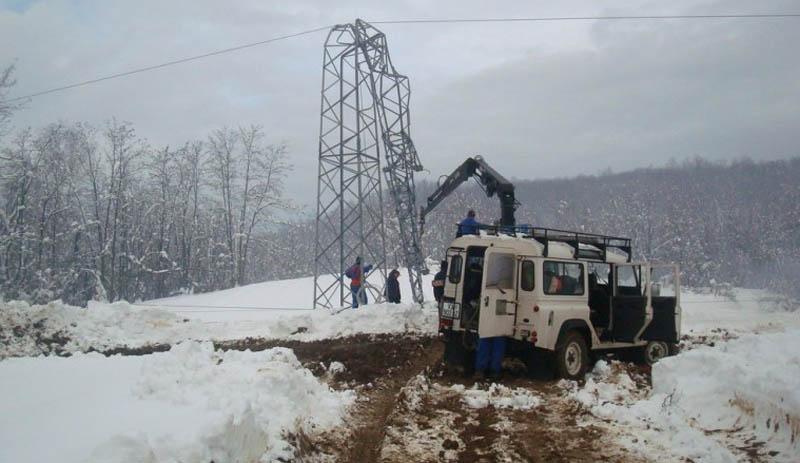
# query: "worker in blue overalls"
[489,358]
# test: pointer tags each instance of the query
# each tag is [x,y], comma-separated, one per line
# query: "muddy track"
[367,358]
[368,436]
[410,409]
[399,359]
[551,432]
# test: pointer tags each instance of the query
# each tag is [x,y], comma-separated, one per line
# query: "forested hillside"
[98,213]
[738,223]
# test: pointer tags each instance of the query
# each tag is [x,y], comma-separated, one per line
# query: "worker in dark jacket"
[438,282]
[393,287]
[356,273]
[469,226]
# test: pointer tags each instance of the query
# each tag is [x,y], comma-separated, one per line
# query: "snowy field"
[188,404]
[192,403]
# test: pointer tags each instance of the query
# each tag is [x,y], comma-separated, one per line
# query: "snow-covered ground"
[743,310]
[194,404]
[55,327]
[188,404]
[731,402]
[257,310]
[736,400]
[267,301]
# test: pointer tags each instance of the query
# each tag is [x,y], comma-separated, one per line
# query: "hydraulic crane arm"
[490,180]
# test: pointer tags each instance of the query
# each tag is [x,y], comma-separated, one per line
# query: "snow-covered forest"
[734,223]
[101,213]
[98,213]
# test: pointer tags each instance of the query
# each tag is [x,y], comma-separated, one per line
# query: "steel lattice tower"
[364,108]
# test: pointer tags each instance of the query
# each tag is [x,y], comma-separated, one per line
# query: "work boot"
[495,375]
[479,376]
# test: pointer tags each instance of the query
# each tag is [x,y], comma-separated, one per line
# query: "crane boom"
[492,182]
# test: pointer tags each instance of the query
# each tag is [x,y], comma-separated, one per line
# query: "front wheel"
[572,356]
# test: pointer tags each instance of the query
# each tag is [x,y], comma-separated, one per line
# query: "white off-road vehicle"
[564,294]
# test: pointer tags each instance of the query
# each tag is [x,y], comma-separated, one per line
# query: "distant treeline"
[100,214]
[93,213]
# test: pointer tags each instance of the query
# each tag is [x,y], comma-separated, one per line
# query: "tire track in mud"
[411,409]
[377,367]
[368,436]
[554,431]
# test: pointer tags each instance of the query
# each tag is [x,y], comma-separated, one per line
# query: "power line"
[170,63]
[404,21]
[225,307]
[589,18]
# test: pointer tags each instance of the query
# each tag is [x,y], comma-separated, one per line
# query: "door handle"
[486,301]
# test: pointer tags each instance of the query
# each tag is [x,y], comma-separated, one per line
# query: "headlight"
[451,310]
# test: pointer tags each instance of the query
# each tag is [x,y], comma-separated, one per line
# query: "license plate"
[451,310]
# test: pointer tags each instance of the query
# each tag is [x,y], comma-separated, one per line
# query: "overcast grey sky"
[538,100]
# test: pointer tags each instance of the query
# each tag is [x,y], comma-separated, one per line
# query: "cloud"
[539,100]
[646,93]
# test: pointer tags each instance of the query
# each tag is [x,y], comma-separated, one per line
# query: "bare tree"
[250,178]
[6,108]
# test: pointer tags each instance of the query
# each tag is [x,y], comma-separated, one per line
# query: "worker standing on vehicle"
[356,274]
[489,358]
[469,226]
[438,282]
[393,287]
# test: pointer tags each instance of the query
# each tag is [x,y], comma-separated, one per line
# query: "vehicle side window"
[500,271]
[629,280]
[454,274]
[563,278]
[528,274]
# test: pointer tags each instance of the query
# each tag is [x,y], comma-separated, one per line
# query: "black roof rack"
[543,235]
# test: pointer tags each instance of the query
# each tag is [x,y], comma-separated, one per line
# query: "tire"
[652,352]
[457,356]
[572,356]
[539,364]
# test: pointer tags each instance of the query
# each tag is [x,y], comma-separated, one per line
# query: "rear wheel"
[572,356]
[652,352]
[458,354]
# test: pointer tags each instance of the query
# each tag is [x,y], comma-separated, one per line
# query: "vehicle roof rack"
[544,236]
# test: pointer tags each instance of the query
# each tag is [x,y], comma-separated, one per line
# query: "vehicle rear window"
[527,281]
[563,278]
[454,269]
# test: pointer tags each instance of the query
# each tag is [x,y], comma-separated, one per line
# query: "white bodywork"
[506,309]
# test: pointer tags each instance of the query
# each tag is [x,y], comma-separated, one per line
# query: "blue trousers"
[356,300]
[490,354]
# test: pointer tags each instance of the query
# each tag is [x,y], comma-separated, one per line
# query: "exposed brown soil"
[384,426]
[441,427]
[367,358]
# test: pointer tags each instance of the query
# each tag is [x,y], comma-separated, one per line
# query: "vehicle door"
[524,321]
[630,308]
[499,292]
[664,299]
[450,308]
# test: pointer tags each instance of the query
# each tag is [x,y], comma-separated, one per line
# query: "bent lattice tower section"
[364,109]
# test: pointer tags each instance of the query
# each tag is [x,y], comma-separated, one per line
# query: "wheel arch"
[578,325]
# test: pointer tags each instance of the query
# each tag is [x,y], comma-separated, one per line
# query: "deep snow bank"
[711,404]
[27,330]
[42,329]
[188,404]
